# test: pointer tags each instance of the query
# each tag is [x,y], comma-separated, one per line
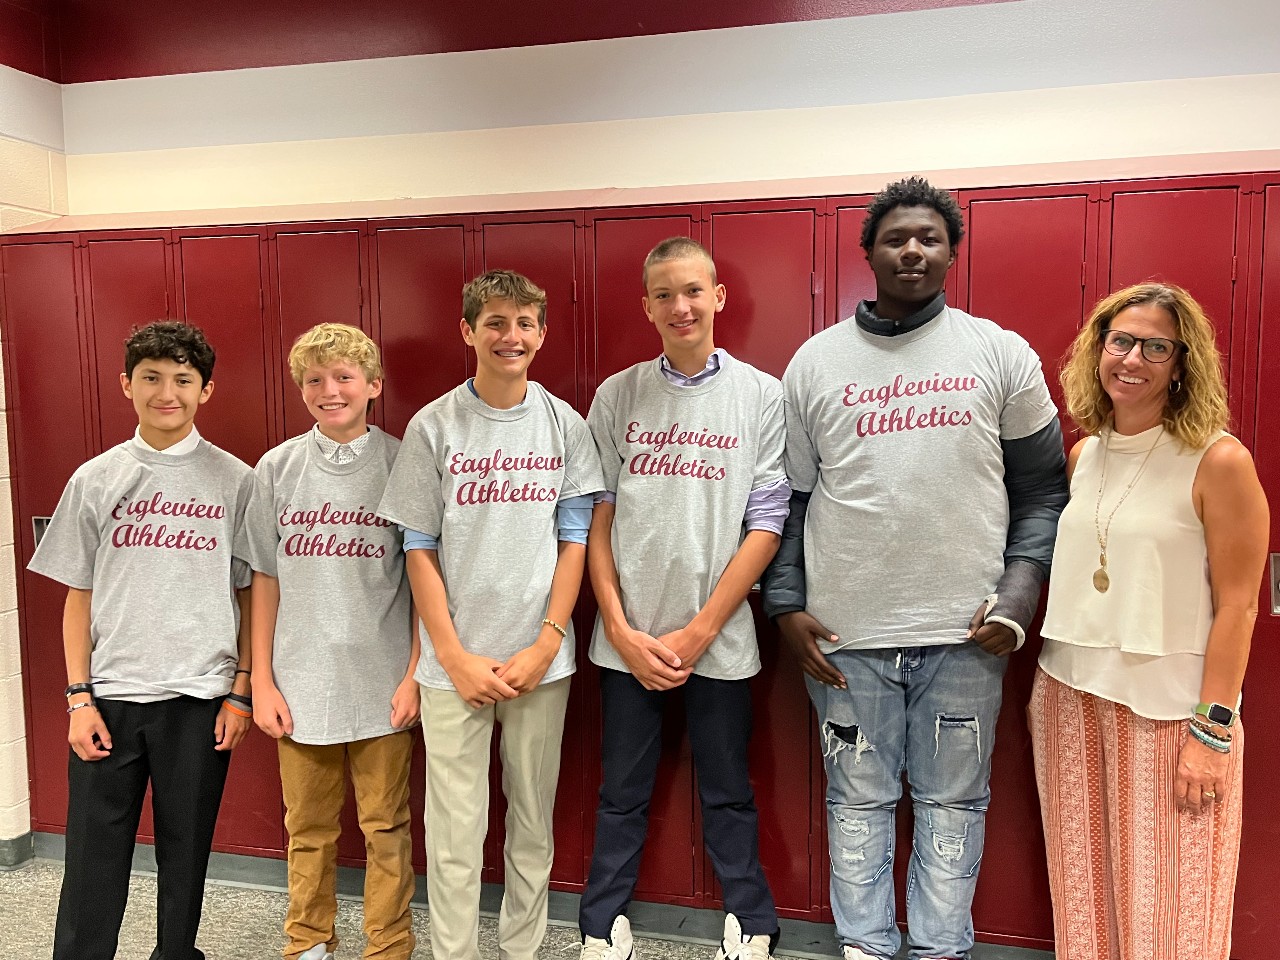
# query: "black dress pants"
[168,743]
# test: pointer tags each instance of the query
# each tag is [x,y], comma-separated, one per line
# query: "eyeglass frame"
[1141,343]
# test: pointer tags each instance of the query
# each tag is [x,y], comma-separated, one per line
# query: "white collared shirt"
[185,445]
[340,453]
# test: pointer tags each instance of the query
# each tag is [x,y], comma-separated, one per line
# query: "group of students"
[896,495]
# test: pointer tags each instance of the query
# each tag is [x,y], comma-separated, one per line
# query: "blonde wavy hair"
[327,343]
[1194,413]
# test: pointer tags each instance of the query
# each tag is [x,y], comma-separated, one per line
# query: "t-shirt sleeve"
[582,471]
[414,493]
[259,539]
[801,459]
[773,438]
[1027,404]
[70,543]
[600,421]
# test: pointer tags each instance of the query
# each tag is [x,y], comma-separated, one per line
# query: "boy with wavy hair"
[157,649]
[494,486]
[335,645]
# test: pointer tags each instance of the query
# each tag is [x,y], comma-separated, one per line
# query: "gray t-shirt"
[342,632]
[152,536]
[485,483]
[684,460]
[898,438]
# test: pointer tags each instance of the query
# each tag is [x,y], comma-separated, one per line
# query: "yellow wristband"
[556,627]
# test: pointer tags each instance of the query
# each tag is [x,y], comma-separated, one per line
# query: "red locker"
[768,257]
[619,333]
[128,280]
[849,275]
[50,435]
[1193,233]
[418,269]
[1257,927]
[672,868]
[543,247]
[318,275]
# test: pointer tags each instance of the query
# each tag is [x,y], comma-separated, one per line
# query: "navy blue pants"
[719,722]
[168,743]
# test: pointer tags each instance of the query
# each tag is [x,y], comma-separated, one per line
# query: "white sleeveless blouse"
[1142,642]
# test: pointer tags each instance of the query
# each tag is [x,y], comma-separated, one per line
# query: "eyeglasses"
[1154,349]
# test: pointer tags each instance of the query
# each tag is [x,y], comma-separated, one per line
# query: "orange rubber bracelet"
[232,708]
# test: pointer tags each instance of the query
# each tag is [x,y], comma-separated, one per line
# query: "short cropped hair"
[912,192]
[502,285]
[1194,413]
[327,343]
[169,340]
[677,248]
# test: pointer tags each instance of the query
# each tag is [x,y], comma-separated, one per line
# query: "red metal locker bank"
[1035,259]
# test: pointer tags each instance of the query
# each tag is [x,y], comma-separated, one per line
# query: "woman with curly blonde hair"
[1154,590]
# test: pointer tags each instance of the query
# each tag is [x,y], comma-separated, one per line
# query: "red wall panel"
[29,38]
[1257,927]
[768,257]
[318,276]
[128,284]
[222,279]
[620,333]
[46,398]
[418,273]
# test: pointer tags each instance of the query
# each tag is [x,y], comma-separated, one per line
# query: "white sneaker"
[734,946]
[617,947]
[851,952]
[318,952]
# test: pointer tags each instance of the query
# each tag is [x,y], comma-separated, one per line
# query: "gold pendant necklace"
[1102,579]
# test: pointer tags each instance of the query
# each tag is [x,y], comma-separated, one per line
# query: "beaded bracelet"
[1209,740]
[1212,729]
[556,627]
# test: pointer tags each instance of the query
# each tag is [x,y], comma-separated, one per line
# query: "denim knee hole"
[837,738]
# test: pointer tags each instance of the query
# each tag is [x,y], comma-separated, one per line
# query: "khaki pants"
[458,743]
[314,781]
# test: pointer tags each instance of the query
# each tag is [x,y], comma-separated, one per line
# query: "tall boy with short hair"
[335,645]
[157,652]
[494,484]
[691,443]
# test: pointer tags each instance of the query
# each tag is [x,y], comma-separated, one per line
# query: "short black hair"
[169,340]
[912,192]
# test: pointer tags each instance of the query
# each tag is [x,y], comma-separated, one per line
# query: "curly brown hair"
[1193,414]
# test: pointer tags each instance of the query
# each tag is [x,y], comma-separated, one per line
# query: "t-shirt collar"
[186,445]
[866,317]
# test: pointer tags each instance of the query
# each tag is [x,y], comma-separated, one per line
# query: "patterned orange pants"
[1132,876]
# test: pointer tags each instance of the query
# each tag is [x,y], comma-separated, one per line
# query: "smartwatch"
[1216,713]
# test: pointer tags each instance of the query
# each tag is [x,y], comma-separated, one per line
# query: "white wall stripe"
[30,109]
[1031,44]
[1207,116]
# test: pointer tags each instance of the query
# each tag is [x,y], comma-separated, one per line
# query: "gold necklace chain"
[1102,579]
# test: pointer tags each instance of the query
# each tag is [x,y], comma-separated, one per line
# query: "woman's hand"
[1201,778]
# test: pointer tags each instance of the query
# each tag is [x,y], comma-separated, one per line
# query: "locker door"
[767,255]
[317,276]
[1257,927]
[418,272]
[544,248]
[849,275]
[127,284]
[618,336]
[222,278]
[1024,263]
[1191,237]
[619,333]
[47,400]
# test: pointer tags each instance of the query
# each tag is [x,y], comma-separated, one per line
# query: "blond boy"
[332,631]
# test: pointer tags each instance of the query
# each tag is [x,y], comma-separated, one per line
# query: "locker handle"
[1275,584]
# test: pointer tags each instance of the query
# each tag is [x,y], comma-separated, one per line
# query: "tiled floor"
[242,922]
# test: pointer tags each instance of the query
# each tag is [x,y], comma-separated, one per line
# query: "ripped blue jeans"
[930,711]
